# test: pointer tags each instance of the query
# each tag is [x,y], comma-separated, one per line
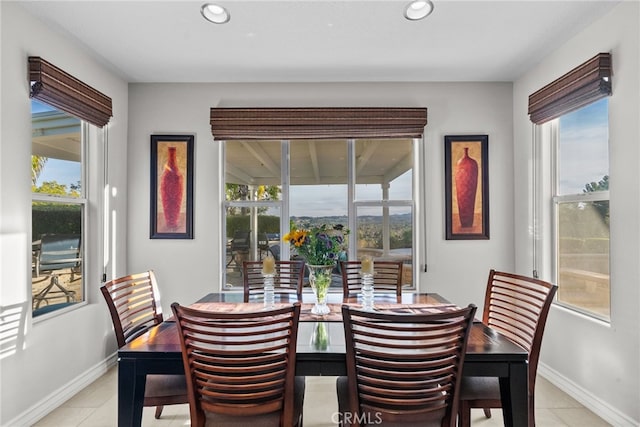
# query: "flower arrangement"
[318,245]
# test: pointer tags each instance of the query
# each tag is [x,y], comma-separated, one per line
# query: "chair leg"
[532,410]
[464,414]
[487,412]
[158,411]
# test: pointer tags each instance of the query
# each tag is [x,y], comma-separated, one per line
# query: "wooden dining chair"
[387,278]
[132,304]
[517,307]
[402,369]
[287,281]
[241,366]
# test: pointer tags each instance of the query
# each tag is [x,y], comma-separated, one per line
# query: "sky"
[584,147]
[61,171]
[331,200]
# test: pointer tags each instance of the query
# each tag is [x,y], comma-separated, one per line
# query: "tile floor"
[96,406]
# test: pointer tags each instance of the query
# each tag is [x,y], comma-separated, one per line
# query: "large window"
[364,185]
[580,209]
[58,209]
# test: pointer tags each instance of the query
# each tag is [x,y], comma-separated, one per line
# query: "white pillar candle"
[367,265]
[269,265]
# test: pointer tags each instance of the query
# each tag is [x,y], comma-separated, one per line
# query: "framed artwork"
[171,187]
[466,168]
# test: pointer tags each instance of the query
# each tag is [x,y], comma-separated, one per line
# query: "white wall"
[598,363]
[43,363]
[187,269]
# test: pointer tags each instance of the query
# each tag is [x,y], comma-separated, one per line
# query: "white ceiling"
[320,41]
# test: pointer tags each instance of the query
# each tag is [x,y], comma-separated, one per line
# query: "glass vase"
[320,280]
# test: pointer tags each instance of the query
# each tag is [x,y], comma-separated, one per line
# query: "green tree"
[602,185]
[52,188]
[236,192]
[603,206]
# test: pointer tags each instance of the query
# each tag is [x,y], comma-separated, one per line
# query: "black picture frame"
[466,204]
[171,187]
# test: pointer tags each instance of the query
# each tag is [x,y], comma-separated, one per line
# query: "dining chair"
[517,307]
[402,369]
[133,307]
[387,277]
[287,281]
[241,366]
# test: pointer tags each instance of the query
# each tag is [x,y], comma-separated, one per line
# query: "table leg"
[514,395]
[130,394]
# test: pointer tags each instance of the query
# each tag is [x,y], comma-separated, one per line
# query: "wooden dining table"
[321,351]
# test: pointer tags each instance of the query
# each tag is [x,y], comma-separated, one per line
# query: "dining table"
[321,350]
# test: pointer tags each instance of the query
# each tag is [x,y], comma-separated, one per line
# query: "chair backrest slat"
[405,367]
[59,251]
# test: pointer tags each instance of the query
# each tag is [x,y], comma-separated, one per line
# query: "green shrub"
[55,218]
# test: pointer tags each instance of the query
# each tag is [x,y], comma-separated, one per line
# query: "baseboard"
[602,409]
[45,406]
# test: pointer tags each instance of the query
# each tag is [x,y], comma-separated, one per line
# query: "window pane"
[252,170]
[582,229]
[584,147]
[318,174]
[56,152]
[57,267]
[384,169]
[583,255]
[372,226]
[248,241]
[253,191]
[317,194]
[57,228]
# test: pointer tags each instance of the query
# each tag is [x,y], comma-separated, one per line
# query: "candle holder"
[367,291]
[269,298]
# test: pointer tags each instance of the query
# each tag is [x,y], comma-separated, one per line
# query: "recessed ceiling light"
[418,9]
[215,13]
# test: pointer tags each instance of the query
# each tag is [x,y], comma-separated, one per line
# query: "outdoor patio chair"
[239,246]
[58,254]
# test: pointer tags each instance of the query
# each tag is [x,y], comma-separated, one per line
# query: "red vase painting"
[171,190]
[466,176]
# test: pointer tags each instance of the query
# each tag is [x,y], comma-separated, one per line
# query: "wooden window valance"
[59,89]
[317,123]
[581,86]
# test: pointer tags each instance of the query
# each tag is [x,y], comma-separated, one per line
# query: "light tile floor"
[97,406]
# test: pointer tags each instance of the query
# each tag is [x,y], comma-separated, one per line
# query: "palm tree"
[37,164]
